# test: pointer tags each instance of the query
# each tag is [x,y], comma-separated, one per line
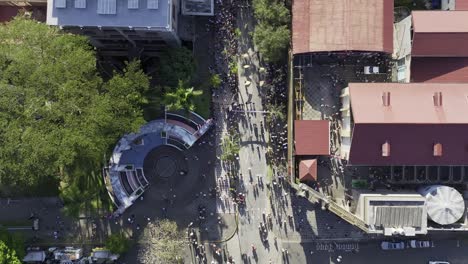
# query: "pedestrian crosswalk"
[333,246]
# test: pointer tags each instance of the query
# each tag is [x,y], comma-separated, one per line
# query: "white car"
[371,70]
[386,245]
[420,244]
[438,262]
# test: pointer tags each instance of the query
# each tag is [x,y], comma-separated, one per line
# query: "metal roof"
[312,137]
[440,34]
[152,4]
[410,103]
[342,25]
[398,216]
[133,4]
[439,70]
[80,3]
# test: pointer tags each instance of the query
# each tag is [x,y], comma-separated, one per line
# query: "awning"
[308,170]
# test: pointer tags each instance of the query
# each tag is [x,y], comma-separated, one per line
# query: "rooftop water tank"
[444,204]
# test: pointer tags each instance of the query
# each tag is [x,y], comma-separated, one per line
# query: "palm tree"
[181,98]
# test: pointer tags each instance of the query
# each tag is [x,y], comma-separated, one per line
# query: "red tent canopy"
[308,170]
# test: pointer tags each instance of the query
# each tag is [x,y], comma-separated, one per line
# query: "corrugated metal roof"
[461,5]
[60,3]
[440,34]
[133,4]
[80,3]
[341,25]
[411,144]
[440,21]
[439,70]
[312,137]
[152,4]
[410,103]
[398,216]
[106,7]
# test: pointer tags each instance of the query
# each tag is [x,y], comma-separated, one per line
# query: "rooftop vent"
[386,149]
[437,150]
[437,98]
[386,98]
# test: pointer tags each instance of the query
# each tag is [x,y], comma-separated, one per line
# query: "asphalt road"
[453,251]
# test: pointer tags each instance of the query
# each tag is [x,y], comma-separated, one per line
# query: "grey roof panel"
[398,216]
[152,4]
[107,7]
[133,4]
[80,3]
[60,3]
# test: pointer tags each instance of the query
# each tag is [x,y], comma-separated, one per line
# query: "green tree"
[230,148]
[118,243]
[176,64]
[181,98]
[58,117]
[165,244]
[8,255]
[13,242]
[273,13]
[215,81]
[276,113]
[272,42]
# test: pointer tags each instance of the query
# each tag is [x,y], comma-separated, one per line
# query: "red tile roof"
[439,70]
[312,137]
[411,125]
[440,33]
[308,170]
[342,25]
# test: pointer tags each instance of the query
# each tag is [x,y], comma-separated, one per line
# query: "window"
[60,3]
[106,7]
[80,3]
[152,4]
[133,4]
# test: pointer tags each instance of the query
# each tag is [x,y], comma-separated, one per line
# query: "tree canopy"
[11,247]
[163,243]
[272,33]
[58,117]
[7,255]
[273,13]
[272,42]
[176,64]
[118,243]
[181,98]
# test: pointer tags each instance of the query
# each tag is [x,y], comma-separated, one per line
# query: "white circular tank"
[444,204]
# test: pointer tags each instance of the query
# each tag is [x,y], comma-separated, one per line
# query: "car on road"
[387,245]
[371,69]
[420,244]
[438,262]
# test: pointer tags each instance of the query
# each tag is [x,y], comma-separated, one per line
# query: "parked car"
[420,244]
[371,70]
[438,262]
[386,245]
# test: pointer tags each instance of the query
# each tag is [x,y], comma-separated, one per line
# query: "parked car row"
[391,245]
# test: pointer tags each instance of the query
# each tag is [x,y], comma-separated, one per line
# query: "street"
[317,252]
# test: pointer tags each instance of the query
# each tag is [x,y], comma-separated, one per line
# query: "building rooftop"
[110,13]
[440,33]
[440,21]
[409,124]
[342,25]
[312,137]
[410,103]
[439,70]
